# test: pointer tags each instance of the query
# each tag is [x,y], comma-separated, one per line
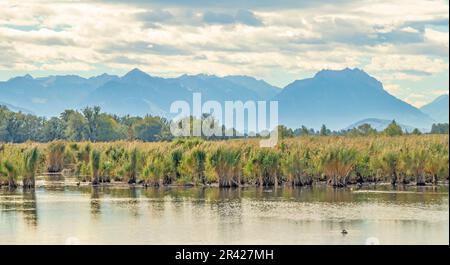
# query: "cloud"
[140,47]
[217,18]
[398,40]
[65,66]
[392,88]
[232,4]
[412,67]
[437,37]
[248,18]
[440,92]
[402,35]
[154,16]
[416,100]
[40,36]
[245,17]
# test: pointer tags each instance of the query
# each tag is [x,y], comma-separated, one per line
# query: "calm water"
[106,215]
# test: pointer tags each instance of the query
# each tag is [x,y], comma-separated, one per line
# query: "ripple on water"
[222,216]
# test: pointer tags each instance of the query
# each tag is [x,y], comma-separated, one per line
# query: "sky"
[402,43]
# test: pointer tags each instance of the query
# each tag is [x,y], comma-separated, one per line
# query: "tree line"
[90,124]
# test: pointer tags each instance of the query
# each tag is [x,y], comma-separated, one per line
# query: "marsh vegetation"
[298,161]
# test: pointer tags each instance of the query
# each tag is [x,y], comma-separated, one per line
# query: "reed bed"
[298,161]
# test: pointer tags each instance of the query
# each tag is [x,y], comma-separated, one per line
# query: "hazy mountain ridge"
[380,125]
[15,108]
[438,109]
[334,98]
[49,96]
[261,87]
[339,98]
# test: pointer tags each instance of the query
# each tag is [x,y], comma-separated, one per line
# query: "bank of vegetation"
[297,161]
[90,124]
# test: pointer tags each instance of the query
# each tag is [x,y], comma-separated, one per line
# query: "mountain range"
[379,125]
[438,109]
[334,98]
[338,98]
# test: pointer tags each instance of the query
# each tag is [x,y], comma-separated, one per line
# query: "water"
[59,214]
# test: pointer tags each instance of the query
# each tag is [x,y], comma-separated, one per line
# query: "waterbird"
[344,232]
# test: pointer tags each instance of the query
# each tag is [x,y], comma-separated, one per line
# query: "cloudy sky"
[403,43]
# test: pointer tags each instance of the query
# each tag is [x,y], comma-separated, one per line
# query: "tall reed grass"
[336,160]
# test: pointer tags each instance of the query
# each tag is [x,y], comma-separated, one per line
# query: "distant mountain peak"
[136,71]
[135,75]
[27,76]
[200,76]
[102,76]
[332,97]
[441,98]
[243,77]
[338,97]
[344,72]
[438,108]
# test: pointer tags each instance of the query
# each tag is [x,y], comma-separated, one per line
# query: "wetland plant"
[31,160]
[95,166]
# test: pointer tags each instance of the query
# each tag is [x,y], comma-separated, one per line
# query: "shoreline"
[123,184]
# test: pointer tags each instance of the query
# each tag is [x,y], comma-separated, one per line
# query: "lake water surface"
[58,214]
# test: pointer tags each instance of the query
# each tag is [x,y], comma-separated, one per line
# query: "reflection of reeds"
[95,201]
[30,207]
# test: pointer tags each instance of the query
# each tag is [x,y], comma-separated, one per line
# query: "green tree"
[284,132]
[304,131]
[12,126]
[53,129]
[439,128]
[416,132]
[324,131]
[108,129]
[150,129]
[76,127]
[393,129]
[92,118]
[364,130]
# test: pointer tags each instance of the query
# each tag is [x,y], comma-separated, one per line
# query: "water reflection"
[132,204]
[95,201]
[8,197]
[30,211]
[206,215]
